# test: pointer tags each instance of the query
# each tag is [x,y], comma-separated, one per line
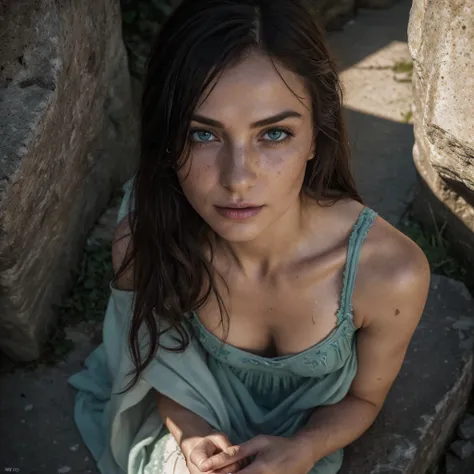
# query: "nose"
[239,171]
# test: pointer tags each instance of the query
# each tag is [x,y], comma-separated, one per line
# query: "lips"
[239,213]
[243,205]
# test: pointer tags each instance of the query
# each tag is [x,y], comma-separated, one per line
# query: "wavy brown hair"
[172,275]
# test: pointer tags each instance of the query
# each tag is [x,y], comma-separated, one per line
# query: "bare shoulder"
[121,249]
[393,276]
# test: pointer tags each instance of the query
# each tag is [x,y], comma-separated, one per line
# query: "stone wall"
[441,39]
[67,139]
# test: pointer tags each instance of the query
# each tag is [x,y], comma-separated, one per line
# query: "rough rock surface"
[66,140]
[441,35]
[430,394]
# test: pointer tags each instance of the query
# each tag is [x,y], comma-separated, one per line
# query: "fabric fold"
[117,428]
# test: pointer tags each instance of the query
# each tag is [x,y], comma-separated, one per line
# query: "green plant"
[407,117]
[437,250]
[403,66]
[88,299]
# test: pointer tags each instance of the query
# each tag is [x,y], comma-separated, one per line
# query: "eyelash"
[290,134]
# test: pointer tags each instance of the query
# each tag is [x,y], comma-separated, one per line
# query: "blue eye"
[201,136]
[277,135]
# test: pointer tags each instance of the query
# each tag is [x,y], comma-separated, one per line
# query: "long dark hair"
[197,43]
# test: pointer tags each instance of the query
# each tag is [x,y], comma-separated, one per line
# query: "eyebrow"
[260,123]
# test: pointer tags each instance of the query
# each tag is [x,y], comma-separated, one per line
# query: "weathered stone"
[441,35]
[67,139]
[466,428]
[462,449]
[429,395]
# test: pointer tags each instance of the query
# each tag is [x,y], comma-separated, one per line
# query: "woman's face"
[250,142]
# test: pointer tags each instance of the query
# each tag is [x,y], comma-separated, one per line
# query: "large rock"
[67,138]
[441,38]
[430,393]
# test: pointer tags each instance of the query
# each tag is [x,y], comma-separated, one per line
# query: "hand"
[196,450]
[273,454]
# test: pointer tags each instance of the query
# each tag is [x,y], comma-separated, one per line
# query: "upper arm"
[121,249]
[392,314]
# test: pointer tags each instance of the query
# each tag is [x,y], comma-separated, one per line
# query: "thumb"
[202,452]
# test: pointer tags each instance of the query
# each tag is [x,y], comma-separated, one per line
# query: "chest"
[273,320]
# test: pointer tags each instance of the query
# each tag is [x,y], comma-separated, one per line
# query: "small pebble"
[466,428]
[29,407]
[462,449]
[64,469]
[74,448]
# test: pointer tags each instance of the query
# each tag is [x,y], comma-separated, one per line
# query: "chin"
[236,232]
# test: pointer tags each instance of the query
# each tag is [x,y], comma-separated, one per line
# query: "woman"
[240,238]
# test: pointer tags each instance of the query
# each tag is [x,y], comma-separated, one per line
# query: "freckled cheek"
[281,167]
[198,180]
[268,164]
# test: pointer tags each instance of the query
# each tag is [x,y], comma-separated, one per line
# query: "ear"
[312,154]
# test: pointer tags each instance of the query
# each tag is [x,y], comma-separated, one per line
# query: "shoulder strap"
[128,202]
[356,239]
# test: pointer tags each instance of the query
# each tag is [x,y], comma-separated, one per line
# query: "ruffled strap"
[356,239]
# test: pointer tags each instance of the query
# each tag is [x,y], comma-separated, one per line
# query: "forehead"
[255,88]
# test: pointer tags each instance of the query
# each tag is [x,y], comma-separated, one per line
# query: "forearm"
[182,423]
[332,427]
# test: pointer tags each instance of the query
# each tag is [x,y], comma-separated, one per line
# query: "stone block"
[67,139]
[462,449]
[440,38]
[430,394]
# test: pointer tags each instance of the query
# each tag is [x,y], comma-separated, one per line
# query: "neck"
[265,255]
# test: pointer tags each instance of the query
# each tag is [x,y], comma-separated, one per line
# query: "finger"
[202,452]
[234,454]
[214,443]
[235,467]
[255,467]
[220,440]
[228,456]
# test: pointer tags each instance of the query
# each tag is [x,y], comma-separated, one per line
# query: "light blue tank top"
[276,395]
